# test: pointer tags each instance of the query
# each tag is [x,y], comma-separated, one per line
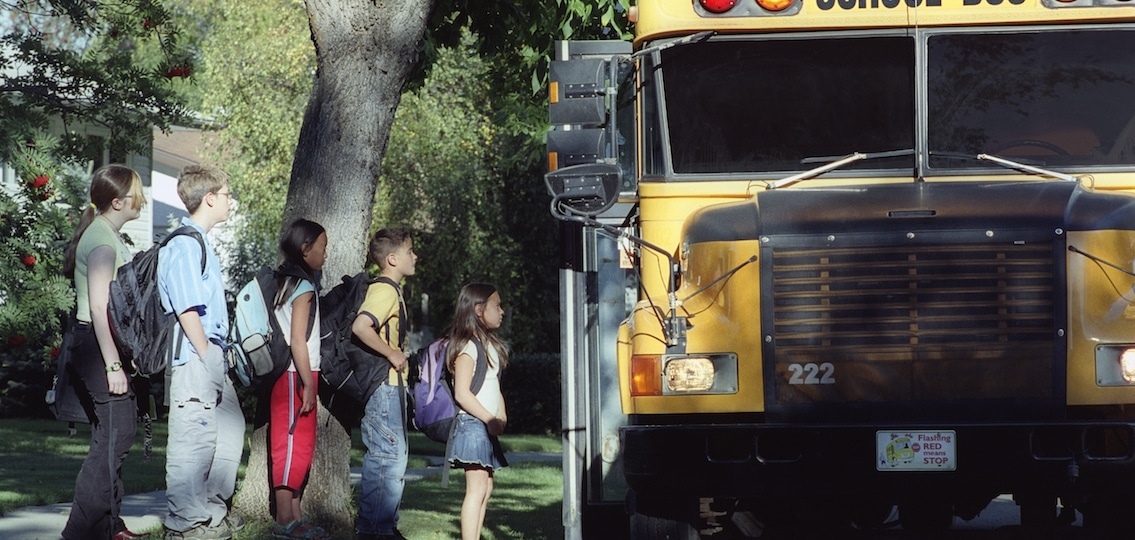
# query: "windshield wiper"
[1009,164]
[1028,166]
[833,162]
[695,38]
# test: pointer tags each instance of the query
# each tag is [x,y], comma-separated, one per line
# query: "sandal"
[300,529]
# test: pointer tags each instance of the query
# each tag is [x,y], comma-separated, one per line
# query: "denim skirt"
[473,447]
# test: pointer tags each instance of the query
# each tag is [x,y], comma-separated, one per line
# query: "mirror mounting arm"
[675,326]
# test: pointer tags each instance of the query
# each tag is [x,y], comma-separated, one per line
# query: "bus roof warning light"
[718,6]
[775,5]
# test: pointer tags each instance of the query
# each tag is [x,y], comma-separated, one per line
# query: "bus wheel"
[658,518]
[1038,512]
[651,528]
[870,514]
[926,516]
[1109,516]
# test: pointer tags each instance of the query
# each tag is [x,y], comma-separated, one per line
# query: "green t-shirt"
[99,233]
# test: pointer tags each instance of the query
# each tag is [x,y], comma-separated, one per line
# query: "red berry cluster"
[179,71]
[29,260]
[40,188]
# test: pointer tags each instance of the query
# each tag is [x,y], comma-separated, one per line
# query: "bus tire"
[645,527]
[937,516]
[665,518]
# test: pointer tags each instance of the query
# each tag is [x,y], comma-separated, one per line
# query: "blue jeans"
[384,465]
[206,439]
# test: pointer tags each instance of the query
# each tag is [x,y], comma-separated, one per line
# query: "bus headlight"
[1127,365]
[1115,365]
[683,374]
[699,374]
[689,374]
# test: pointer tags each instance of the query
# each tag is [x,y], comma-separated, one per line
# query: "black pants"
[98,488]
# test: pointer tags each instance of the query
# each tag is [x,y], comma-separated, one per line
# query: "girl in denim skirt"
[475,447]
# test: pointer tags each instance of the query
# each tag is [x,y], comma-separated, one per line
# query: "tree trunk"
[327,497]
[366,51]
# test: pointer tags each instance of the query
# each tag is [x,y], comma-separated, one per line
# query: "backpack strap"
[401,312]
[480,368]
[186,230]
[173,351]
[480,371]
[401,340]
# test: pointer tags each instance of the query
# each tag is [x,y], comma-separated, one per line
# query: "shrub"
[531,386]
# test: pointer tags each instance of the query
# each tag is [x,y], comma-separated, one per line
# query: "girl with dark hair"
[475,447]
[92,259]
[295,396]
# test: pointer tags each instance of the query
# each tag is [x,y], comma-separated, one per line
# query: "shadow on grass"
[39,461]
[526,504]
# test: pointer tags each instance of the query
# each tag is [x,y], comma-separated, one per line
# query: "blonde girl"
[95,253]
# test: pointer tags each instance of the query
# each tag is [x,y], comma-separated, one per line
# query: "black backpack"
[346,367]
[138,321]
[68,398]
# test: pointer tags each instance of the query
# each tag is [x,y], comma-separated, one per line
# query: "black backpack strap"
[186,230]
[171,353]
[480,368]
[401,340]
[401,312]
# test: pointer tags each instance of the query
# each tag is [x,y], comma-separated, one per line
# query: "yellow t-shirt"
[381,305]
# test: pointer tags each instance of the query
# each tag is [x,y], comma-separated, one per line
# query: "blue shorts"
[473,447]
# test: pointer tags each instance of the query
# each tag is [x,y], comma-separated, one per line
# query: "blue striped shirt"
[183,287]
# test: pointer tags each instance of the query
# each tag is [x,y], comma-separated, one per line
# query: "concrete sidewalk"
[144,511]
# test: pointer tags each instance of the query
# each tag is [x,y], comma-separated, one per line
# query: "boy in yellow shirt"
[381,326]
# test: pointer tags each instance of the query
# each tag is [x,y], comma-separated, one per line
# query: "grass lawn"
[39,462]
[526,504]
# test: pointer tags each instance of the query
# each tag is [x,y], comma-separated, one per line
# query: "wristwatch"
[114,367]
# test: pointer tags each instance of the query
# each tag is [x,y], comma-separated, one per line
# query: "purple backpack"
[434,406]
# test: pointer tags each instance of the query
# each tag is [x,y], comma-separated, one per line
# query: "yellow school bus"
[851,262]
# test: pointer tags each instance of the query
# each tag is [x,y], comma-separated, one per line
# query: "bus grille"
[929,322]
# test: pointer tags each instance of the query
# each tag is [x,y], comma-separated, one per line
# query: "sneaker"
[200,532]
[234,523]
[374,536]
[299,528]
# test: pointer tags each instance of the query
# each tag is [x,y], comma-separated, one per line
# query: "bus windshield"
[763,106]
[1055,98]
[1062,98]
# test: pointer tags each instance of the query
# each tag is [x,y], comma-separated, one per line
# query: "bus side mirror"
[577,92]
[587,189]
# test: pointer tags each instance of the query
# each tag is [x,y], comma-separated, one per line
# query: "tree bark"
[366,51]
[327,496]
[328,483]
